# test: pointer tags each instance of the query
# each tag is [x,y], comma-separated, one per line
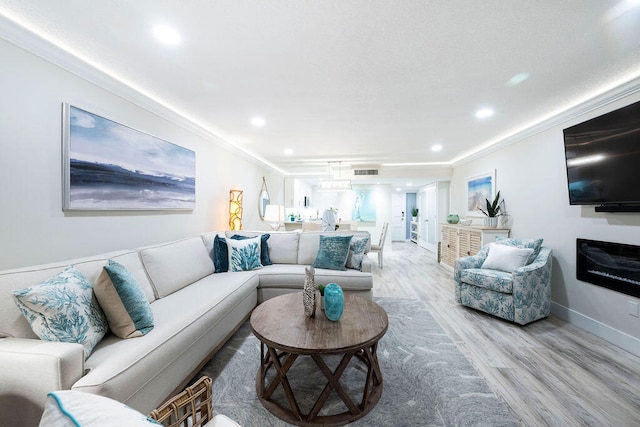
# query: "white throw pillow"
[244,255]
[75,408]
[506,258]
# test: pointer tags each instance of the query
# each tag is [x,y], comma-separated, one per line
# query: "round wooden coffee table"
[286,333]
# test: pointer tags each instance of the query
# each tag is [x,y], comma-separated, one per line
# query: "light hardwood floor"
[549,373]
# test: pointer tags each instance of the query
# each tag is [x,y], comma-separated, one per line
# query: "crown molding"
[39,45]
[606,97]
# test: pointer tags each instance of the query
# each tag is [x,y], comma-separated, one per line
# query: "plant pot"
[491,221]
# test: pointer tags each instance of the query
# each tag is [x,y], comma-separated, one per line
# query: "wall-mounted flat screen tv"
[603,160]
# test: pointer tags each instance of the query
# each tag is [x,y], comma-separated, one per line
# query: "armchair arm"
[463,263]
[532,288]
[29,369]
[473,261]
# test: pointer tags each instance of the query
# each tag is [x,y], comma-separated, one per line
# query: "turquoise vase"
[333,302]
[453,218]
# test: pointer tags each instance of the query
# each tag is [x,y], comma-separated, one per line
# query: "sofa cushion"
[124,304]
[64,309]
[534,244]
[244,254]
[69,408]
[506,258]
[356,252]
[308,247]
[283,247]
[493,280]
[174,265]
[333,252]
[291,276]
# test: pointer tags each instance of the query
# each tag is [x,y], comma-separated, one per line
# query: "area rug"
[427,380]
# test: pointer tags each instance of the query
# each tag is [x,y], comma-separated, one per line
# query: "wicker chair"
[191,408]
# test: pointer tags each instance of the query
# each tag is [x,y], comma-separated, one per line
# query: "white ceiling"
[364,82]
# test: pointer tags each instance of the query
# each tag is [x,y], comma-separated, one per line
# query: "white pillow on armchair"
[506,258]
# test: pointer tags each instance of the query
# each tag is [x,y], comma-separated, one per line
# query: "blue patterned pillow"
[63,309]
[264,247]
[244,255]
[356,252]
[124,304]
[332,252]
[220,255]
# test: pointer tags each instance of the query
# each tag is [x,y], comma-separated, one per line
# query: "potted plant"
[414,213]
[492,211]
[321,290]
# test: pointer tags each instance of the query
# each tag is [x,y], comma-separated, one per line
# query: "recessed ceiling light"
[166,35]
[409,184]
[288,151]
[258,121]
[517,79]
[484,113]
[398,189]
[436,147]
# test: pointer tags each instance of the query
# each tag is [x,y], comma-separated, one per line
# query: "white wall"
[343,200]
[33,227]
[531,176]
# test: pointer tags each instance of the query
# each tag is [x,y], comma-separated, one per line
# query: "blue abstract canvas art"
[109,166]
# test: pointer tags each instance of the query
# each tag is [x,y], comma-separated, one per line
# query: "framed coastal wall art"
[364,206]
[110,166]
[479,188]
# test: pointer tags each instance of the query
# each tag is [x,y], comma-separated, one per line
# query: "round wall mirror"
[264,199]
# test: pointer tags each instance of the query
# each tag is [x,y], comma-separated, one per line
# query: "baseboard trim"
[614,336]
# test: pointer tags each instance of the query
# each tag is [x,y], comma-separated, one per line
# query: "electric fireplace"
[615,266]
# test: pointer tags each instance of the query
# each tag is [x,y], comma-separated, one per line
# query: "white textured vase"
[491,221]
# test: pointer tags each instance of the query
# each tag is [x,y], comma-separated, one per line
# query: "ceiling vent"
[367,172]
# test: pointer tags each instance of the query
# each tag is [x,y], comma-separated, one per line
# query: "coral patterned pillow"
[244,255]
[64,309]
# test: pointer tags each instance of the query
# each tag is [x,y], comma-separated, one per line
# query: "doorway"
[428,218]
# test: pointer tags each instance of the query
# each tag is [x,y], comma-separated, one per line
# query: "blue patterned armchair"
[521,296]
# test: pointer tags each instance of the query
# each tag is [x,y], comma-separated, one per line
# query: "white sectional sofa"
[195,311]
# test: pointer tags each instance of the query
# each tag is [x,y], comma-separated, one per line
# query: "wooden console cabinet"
[460,240]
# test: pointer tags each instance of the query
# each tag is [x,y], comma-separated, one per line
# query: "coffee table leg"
[282,362]
[264,392]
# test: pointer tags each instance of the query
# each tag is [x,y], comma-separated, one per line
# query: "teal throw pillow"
[244,255]
[332,252]
[63,309]
[220,255]
[356,252]
[534,244]
[124,304]
[264,247]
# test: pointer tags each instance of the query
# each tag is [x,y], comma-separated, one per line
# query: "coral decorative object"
[333,302]
[309,292]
